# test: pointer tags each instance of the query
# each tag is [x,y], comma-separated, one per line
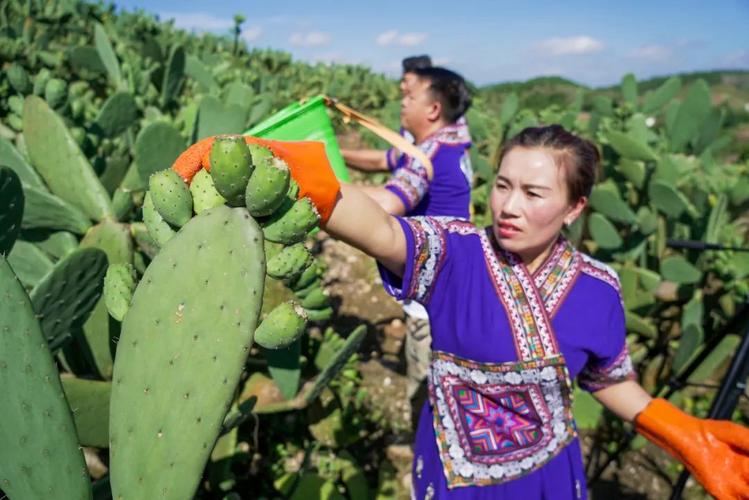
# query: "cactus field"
[164,339]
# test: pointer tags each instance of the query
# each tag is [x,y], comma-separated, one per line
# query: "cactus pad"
[292,225]
[181,353]
[204,194]
[171,197]
[267,187]
[289,262]
[38,444]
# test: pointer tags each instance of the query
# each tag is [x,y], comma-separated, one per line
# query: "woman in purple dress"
[517,313]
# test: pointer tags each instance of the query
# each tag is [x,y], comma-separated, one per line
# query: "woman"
[517,313]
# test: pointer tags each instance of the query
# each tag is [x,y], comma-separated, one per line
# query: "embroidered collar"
[531,300]
[453,134]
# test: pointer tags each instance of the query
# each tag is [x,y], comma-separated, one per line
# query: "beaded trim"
[594,378]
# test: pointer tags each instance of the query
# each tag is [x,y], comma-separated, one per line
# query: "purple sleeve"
[392,155]
[410,183]
[609,363]
[426,248]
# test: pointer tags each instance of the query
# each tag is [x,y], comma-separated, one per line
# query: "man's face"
[407,81]
[418,107]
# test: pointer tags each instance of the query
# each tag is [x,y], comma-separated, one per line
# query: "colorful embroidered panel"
[498,421]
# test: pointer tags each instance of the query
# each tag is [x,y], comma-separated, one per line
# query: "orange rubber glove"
[716,452]
[307,161]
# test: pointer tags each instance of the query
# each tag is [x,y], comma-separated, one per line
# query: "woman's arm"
[625,399]
[362,223]
[388,200]
[368,160]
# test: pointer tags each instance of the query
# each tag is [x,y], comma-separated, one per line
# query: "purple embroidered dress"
[506,344]
[449,192]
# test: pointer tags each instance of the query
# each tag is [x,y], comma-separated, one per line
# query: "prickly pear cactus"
[158,228]
[171,197]
[281,327]
[290,262]
[267,187]
[181,353]
[231,168]
[292,225]
[39,453]
[119,284]
[204,194]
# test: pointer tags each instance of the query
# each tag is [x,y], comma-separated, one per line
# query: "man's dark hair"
[411,64]
[449,88]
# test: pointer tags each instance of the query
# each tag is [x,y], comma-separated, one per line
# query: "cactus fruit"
[306,278]
[158,228]
[38,443]
[292,225]
[315,299]
[281,327]
[289,262]
[119,284]
[171,197]
[267,187]
[181,354]
[231,168]
[204,194]
[259,153]
[319,315]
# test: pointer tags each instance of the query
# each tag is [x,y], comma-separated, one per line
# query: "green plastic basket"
[306,120]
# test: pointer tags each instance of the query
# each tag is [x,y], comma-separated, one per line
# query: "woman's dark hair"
[449,88]
[577,157]
[411,64]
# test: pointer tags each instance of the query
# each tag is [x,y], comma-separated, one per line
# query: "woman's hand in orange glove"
[307,163]
[716,452]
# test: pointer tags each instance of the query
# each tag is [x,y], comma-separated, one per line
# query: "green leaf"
[610,205]
[118,113]
[640,325]
[107,55]
[586,409]
[661,96]
[509,108]
[629,147]
[679,270]
[629,89]
[59,160]
[603,232]
[691,115]
[667,198]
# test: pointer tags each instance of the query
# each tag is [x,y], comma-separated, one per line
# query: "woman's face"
[530,202]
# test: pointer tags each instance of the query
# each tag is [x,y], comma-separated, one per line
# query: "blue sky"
[592,42]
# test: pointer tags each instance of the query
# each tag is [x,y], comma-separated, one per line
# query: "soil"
[355,286]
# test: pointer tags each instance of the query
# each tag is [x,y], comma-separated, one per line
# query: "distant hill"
[730,86]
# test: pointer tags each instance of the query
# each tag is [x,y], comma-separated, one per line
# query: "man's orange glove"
[307,161]
[715,451]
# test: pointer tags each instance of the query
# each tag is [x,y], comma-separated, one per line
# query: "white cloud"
[651,52]
[392,37]
[574,45]
[252,33]
[310,39]
[412,39]
[387,37]
[198,21]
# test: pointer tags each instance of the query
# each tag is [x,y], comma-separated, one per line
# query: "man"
[376,160]
[432,107]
